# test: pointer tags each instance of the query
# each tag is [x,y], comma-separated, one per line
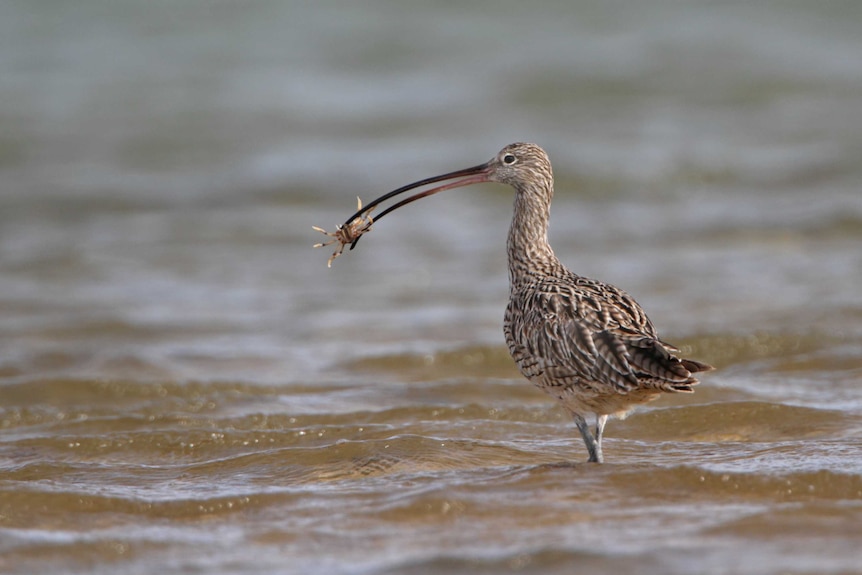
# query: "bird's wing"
[598,333]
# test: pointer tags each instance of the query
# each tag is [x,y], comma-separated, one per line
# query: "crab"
[347,233]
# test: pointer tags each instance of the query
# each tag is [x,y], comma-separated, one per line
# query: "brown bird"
[586,343]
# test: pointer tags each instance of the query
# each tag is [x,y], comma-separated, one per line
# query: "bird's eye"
[509,159]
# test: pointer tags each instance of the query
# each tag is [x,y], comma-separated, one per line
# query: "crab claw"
[347,233]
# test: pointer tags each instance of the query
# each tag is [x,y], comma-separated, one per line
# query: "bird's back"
[590,344]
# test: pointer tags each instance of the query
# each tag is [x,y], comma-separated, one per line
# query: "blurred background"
[163,315]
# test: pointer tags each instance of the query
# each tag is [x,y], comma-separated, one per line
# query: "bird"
[586,343]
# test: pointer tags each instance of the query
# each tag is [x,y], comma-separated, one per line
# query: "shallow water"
[186,387]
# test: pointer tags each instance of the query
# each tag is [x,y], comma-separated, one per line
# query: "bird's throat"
[528,248]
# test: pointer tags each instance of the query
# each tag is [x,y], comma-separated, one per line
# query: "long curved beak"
[474,175]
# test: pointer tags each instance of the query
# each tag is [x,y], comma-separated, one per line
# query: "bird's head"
[524,166]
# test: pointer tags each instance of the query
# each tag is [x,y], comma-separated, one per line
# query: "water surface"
[186,387]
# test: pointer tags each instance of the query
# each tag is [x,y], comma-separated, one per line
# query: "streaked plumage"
[587,343]
[584,342]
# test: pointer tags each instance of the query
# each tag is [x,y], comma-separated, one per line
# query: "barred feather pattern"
[587,343]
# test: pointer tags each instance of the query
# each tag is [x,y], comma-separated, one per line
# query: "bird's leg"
[601,420]
[593,447]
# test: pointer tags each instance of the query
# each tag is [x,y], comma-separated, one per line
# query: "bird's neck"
[529,252]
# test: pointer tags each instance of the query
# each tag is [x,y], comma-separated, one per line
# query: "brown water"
[185,387]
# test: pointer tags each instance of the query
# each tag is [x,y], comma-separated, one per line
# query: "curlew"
[584,342]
